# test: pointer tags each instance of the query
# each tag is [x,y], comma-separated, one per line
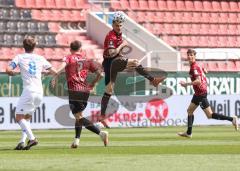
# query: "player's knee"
[109,88]
[78,115]
[190,111]
[19,117]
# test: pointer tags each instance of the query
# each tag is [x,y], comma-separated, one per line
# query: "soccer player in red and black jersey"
[77,67]
[199,83]
[115,62]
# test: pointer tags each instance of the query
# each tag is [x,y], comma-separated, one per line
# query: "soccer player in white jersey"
[31,66]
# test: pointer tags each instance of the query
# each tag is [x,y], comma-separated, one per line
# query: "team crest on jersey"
[111,43]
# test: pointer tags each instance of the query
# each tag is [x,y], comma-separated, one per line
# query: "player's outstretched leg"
[155,81]
[235,122]
[90,126]
[233,119]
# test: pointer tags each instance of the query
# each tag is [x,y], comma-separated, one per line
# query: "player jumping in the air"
[77,67]
[115,62]
[199,83]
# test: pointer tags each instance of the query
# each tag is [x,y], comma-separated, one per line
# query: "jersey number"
[32,68]
[81,72]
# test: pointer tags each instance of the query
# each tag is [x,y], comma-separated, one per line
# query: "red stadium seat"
[223,28]
[54,27]
[207,5]
[214,17]
[196,29]
[237,63]
[50,4]
[162,5]
[60,4]
[171,5]
[30,3]
[197,16]
[232,29]
[141,16]
[222,65]
[216,5]
[143,5]
[80,4]
[125,4]
[152,4]
[116,5]
[40,3]
[222,41]
[132,15]
[70,4]
[225,6]
[231,66]
[179,17]
[169,17]
[160,17]
[214,29]
[224,17]
[212,66]
[151,16]
[205,17]
[233,18]
[232,41]
[39,51]
[134,5]
[49,53]
[20,3]
[3,65]
[180,5]
[234,6]
[205,28]
[189,5]
[187,17]
[37,14]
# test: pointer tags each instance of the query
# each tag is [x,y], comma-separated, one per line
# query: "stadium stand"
[46,20]
[180,23]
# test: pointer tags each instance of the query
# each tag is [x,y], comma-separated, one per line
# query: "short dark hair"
[29,43]
[75,45]
[191,51]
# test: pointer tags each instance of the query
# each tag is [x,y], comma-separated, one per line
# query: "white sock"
[24,137]
[26,127]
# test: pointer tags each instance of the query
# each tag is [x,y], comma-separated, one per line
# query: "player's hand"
[183,84]
[12,73]
[124,43]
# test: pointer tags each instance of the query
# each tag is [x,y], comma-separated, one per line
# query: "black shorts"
[78,101]
[112,66]
[201,100]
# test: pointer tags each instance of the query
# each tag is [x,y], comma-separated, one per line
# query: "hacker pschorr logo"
[156,110]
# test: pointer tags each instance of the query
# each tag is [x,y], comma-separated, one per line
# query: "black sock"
[144,73]
[190,124]
[221,117]
[78,128]
[89,125]
[104,103]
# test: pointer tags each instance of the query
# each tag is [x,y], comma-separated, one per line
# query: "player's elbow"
[9,70]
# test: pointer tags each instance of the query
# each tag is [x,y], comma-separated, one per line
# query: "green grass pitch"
[211,148]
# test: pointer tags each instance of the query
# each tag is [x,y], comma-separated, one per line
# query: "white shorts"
[28,102]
